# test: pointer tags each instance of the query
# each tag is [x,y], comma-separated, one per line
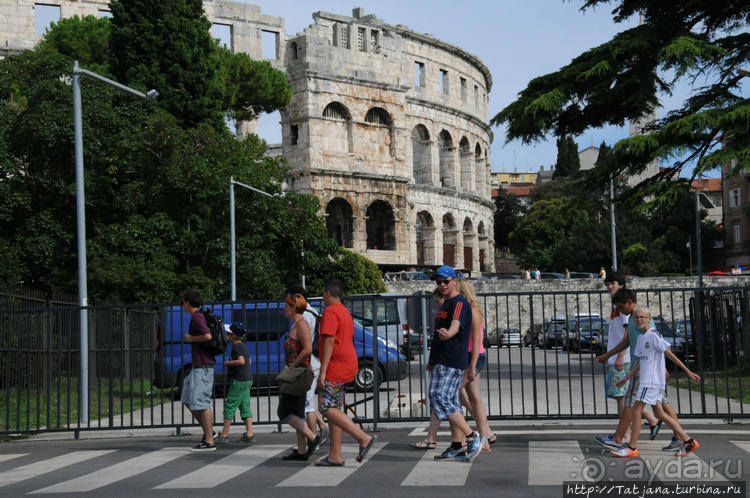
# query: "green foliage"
[508,214]
[568,163]
[358,274]
[166,45]
[84,39]
[700,43]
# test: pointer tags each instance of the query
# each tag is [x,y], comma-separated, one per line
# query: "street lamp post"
[83,298]
[232,183]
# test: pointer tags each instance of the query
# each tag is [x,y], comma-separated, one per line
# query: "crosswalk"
[549,463]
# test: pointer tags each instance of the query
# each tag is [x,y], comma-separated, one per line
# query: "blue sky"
[516,39]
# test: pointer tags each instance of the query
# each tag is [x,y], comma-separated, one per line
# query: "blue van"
[267,328]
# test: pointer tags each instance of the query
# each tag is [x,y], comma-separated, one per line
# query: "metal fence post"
[423,305]
[375,369]
[533,356]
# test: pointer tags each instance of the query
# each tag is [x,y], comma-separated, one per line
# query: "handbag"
[295,381]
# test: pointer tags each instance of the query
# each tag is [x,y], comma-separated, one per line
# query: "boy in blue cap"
[241,380]
[448,364]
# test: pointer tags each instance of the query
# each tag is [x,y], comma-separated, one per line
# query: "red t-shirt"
[337,321]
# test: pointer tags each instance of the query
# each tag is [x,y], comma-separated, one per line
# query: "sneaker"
[451,454]
[688,448]
[213,433]
[474,446]
[247,439]
[204,446]
[295,455]
[607,442]
[655,429]
[624,451]
[674,445]
[324,436]
[312,446]
[221,439]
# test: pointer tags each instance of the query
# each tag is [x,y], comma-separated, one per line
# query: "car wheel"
[365,377]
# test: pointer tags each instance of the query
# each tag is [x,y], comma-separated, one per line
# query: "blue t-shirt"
[453,352]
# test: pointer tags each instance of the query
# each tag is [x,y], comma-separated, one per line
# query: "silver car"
[505,337]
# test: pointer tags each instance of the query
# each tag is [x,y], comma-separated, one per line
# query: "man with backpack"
[314,419]
[199,383]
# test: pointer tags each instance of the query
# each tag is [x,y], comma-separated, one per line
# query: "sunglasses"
[444,281]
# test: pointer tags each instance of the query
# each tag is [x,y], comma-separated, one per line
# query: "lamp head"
[152,94]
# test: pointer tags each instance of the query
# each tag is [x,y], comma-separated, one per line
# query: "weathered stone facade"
[387,127]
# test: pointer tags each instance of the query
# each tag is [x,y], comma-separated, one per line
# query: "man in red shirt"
[338,366]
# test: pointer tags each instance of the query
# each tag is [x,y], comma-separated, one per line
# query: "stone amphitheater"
[387,127]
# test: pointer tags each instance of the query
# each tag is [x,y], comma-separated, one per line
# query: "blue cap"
[236,328]
[446,271]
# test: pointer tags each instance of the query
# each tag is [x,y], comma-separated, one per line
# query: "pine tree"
[568,162]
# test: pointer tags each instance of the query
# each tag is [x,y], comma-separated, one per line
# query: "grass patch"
[734,383]
[28,410]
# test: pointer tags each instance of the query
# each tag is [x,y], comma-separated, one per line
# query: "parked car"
[684,330]
[505,337]
[267,328]
[389,309]
[585,333]
[551,275]
[550,334]
[583,274]
[676,344]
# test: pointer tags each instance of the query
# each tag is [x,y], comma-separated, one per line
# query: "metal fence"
[541,358]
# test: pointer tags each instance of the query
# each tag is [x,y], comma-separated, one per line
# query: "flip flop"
[423,445]
[324,462]
[363,450]
[492,439]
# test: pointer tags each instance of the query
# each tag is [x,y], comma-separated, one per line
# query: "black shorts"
[290,405]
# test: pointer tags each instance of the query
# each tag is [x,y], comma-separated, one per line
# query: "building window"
[419,74]
[223,34]
[476,97]
[735,199]
[339,222]
[361,41]
[374,41]
[381,227]
[45,15]
[293,134]
[270,44]
[463,89]
[334,110]
[378,116]
[341,35]
[293,50]
[444,82]
[736,233]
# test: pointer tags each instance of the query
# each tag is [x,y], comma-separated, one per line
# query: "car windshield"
[663,328]
[684,328]
[591,325]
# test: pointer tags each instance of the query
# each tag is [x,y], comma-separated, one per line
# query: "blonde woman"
[297,349]
[470,393]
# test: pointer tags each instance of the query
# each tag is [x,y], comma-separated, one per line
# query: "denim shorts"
[481,361]
[197,388]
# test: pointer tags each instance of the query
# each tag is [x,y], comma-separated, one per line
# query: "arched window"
[421,154]
[481,181]
[378,116]
[425,232]
[336,110]
[466,163]
[381,227]
[339,222]
[445,149]
[449,240]
[468,236]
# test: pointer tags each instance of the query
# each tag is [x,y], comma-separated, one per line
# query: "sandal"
[424,445]
[364,449]
[492,439]
[327,463]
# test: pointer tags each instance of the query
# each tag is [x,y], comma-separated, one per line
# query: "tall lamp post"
[232,183]
[83,384]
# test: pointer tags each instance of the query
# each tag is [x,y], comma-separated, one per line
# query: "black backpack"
[218,343]
[315,333]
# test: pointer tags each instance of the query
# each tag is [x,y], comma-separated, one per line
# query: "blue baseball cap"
[446,271]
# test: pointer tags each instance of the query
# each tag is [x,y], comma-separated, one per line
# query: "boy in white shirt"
[650,351]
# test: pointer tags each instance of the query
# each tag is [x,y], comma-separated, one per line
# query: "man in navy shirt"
[448,361]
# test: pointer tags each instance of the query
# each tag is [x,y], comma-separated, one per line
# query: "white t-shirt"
[650,352]
[618,328]
[311,316]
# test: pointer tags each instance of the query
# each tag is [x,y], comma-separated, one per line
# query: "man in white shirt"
[650,350]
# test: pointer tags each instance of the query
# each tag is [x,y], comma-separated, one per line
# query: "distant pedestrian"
[338,366]
[602,273]
[537,274]
[533,273]
[240,382]
[526,274]
[448,361]
[198,385]
[567,274]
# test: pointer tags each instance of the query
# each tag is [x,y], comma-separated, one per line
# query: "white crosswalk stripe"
[744,445]
[313,476]
[11,456]
[431,472]
[552,462]
[37,469]
[666,467]
[117,472]
[224,469]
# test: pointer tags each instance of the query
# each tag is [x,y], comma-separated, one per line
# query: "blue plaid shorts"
[444,384]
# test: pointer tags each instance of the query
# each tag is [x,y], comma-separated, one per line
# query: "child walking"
[240,378]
